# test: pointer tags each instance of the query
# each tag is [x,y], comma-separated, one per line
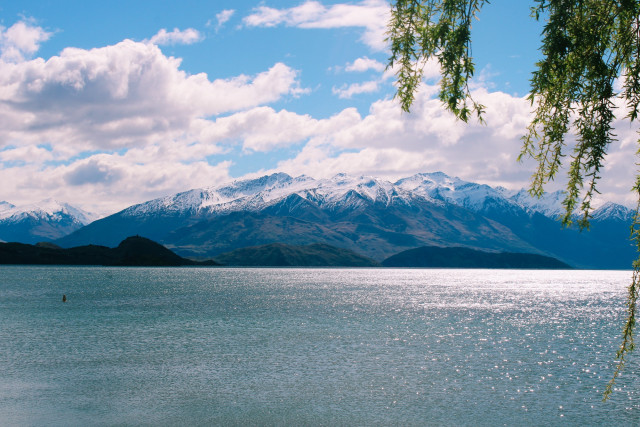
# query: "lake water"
[208,346]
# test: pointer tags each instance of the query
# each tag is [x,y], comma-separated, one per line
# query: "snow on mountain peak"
[230,196]
[371,188]
[424,182]
[46,209]
[5,206]
[612,210]
[347,190]
[255,194]
[440,186]
[550,204]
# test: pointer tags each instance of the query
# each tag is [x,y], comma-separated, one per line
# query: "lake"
[232,346]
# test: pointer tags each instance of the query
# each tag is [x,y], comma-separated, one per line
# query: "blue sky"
[107,104]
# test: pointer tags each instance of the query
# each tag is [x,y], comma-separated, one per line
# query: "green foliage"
[589,47]
[633,292]
[420,30]
[586,46]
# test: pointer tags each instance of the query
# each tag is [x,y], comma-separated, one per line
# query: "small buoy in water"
[64,298]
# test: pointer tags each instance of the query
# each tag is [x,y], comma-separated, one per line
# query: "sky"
[108,104]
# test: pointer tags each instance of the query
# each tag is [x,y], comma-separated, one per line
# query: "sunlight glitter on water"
[312,346]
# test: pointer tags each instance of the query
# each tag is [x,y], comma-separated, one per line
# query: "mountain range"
[370,216]
[43,221]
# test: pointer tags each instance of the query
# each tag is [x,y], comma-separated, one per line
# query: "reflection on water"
[312,346]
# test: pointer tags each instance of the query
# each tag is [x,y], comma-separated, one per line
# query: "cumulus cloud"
[21,40]
[122,95]
[385,142]
[263,129]
[223,17]
[372,15]
[431,73]
[26,154]
[364,64]
[92,172]
[107,127]
[346,92]
[188,36]
[392,144]
[108,182]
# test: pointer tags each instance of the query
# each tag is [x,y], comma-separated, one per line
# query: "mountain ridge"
[372,216]
[47,220]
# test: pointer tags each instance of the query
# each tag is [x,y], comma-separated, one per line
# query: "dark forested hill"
[459,257]
[282,255]
[133,251]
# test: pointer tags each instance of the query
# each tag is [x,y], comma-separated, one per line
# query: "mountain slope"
[605,245]
[373,229]
[370,216]
[283,255]
[43,221]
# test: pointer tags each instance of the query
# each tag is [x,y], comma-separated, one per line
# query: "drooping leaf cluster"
[589,47]
[633,293]
[590,66]
[420,30]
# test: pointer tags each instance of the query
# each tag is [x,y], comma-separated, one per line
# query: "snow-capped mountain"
[372,216]
[5,206]
[252,195]
[46,220]
[613,212]
[480,197]
[237,195]
[549,205]
[439,186]
[256,194]
[48,208]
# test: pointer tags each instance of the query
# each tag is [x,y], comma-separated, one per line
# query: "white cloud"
[122,95]
[223,17]
[122,124]
[21,40]
[372,15]
[323,162]
[386,142]
[107,182]
[393,144]
[26,154]
[188,36]
[346,92]
[263,129]
[364,64]
[108,127]
[390,143]
[431,72]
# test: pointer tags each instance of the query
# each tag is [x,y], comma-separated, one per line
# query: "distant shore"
[140,251]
